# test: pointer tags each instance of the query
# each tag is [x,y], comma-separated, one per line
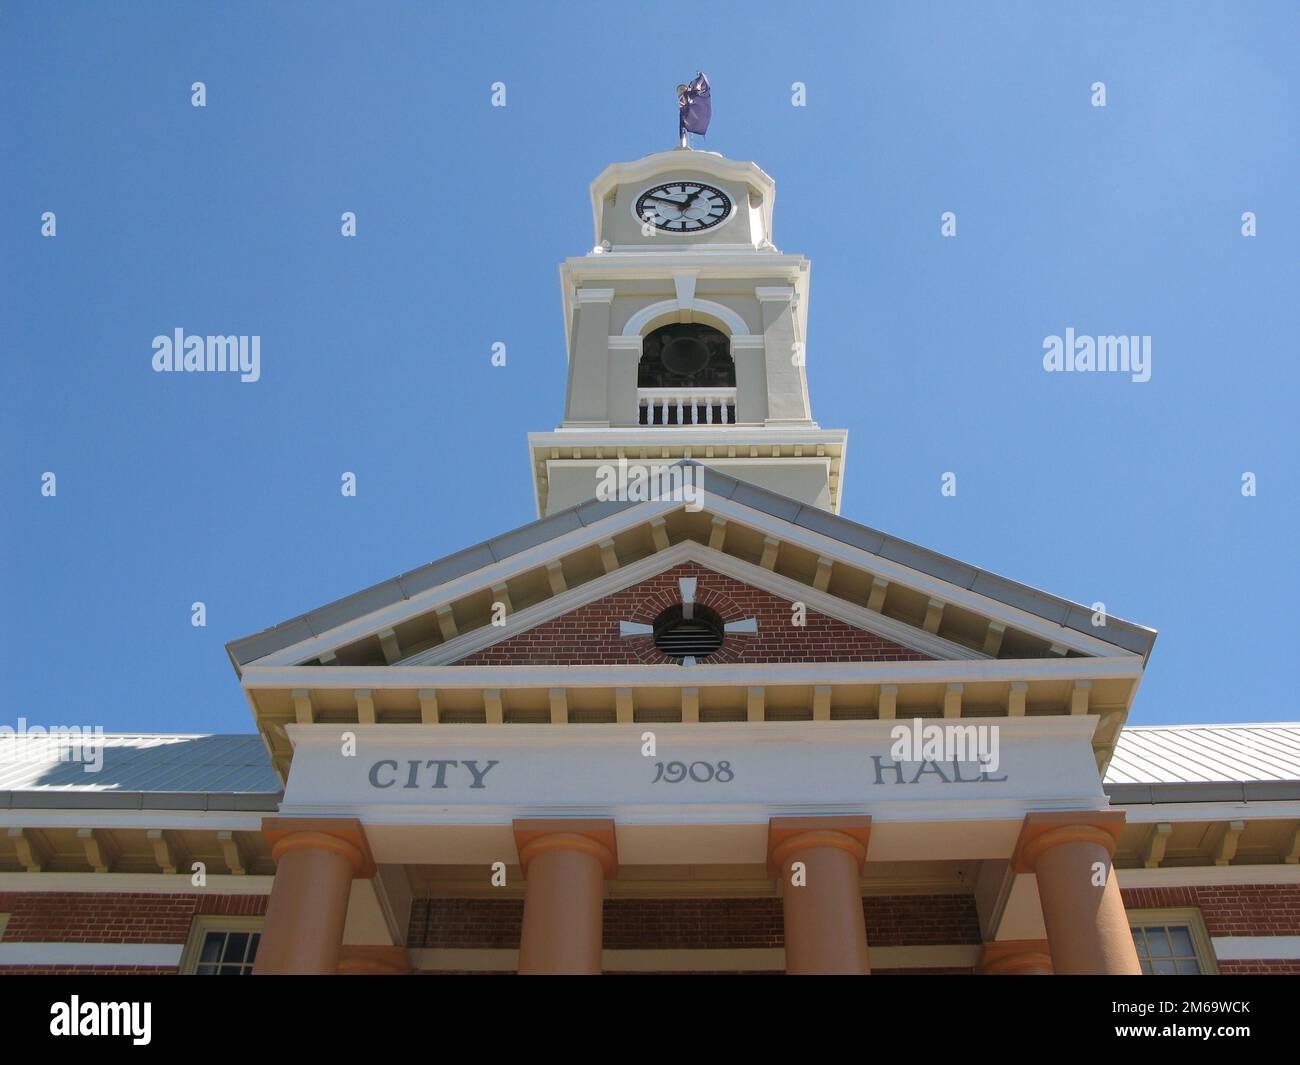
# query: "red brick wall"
[589,635]
[695,924]
[110,917]
[1229,910]
[1263,967]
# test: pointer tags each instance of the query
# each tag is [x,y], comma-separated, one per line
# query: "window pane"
[252,950]
[1181,939]
[236,944]
[1140,941]
[212,946]
[1164,967]
[1188,967]
[206,970]
[1158,942]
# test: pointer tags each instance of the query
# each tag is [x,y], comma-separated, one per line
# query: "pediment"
[923,602]
[765,620]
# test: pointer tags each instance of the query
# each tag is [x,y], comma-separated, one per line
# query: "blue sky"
[375,350]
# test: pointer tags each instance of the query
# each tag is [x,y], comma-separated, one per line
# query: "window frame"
[204,924]
[1184,917]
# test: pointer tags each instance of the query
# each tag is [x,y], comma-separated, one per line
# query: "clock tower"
[685,332]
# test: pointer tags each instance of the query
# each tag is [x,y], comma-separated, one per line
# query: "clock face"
[683,207]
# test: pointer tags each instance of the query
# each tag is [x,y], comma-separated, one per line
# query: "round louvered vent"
[678,636]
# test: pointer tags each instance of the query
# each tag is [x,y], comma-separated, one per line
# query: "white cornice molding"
[744,674]
[102,817]
[1070,727]
[1209,875]
[595,295]
[1143,813]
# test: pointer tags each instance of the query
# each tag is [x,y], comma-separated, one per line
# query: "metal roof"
[1206,754]
[141,763]
[1125,634]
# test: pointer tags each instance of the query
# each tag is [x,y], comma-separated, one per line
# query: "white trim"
[892,571]
[566,543]
[134,883]
[444,594]
[736,325]
[1208,876]
[160,954]
[727,565]
[35,817]
[742,674]
[1255,948]
[1148,813]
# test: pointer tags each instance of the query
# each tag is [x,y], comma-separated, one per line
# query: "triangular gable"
[782,630]
[769,521]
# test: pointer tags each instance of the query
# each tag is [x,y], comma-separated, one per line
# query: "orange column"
[315,862]
[1015,957]
[825,932]
[566,863]
[1070,853]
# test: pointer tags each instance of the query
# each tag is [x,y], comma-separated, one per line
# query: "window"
[686,355]
[1172,943]
[222,946]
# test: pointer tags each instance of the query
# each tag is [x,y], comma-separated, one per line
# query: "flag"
[694,107]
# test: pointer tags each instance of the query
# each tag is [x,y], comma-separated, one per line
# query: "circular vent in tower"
[678,636]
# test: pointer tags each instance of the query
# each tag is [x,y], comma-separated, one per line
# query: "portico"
[836,832]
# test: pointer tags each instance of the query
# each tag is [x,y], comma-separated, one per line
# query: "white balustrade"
[687,406]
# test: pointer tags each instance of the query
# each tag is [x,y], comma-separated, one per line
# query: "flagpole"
[681,130]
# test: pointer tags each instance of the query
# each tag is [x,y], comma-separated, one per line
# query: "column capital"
[594,836]
[1015,957]
[342,836]
[1040,832]
[788,834]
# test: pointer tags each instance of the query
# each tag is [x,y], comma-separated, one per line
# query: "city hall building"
[691,720]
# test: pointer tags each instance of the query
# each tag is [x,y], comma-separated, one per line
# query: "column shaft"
[565,864]
[1070,854]
[308,907]
[825,931]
